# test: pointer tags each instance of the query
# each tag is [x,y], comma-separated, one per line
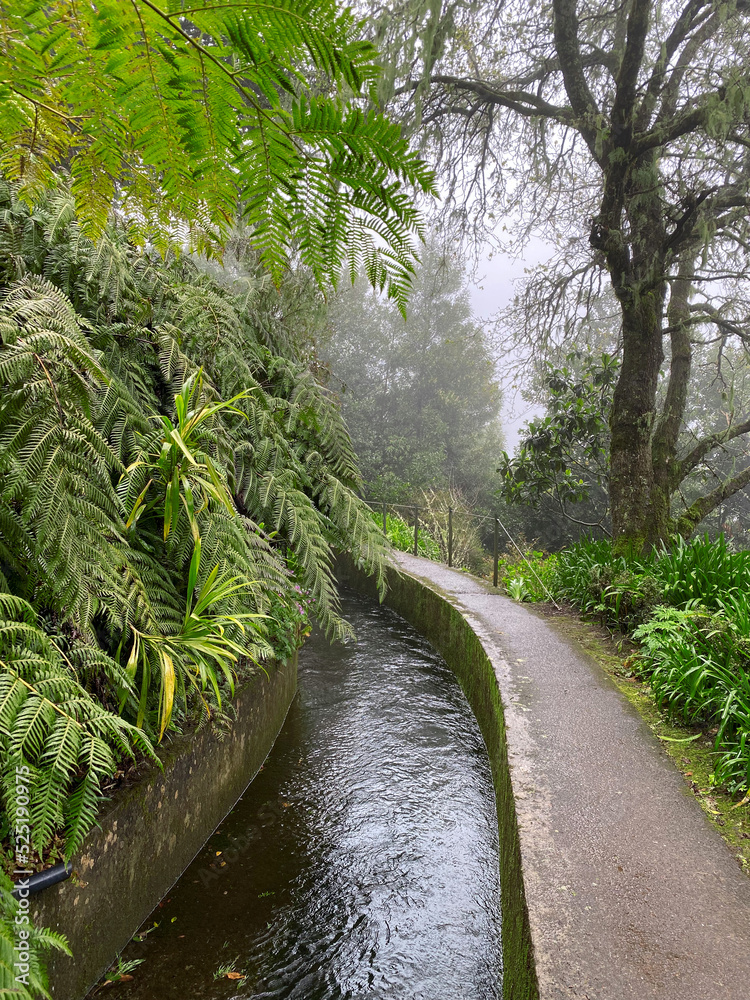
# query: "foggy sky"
[491,290]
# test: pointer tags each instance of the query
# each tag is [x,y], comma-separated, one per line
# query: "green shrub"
[623,588]
[626,597]
[689,608]
[401,536]
[702,570]
[525,577]
[697,662]
[290,622]
[577,569]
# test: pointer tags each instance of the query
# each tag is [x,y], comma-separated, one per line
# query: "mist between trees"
[419,394]
[620,135]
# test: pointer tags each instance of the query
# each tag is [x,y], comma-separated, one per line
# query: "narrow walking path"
[631,892]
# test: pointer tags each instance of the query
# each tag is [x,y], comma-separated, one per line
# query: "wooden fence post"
[450,536]
[494,556]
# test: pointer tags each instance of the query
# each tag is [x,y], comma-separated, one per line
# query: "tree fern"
[56,494]
[119,452]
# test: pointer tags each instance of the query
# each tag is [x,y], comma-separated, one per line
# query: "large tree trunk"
[667,473]
[635,260]
[640,517]
[633,238]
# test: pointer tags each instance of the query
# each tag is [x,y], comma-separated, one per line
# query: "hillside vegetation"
[173,482]
[687,608]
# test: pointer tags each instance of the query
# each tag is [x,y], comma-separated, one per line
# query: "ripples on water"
[363,860]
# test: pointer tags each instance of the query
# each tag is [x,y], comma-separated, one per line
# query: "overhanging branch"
[707,444]
[704,505]
[523,102]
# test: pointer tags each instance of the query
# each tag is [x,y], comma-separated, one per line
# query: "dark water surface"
[363,859]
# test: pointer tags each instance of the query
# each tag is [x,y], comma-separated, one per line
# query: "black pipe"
[42,880]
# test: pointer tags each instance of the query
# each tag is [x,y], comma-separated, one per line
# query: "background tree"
[561,463]
[419,395]
[621,134]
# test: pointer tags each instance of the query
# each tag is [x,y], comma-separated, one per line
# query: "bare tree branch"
[707,444]
[706,504]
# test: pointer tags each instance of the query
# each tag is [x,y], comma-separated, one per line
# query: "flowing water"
[363,859]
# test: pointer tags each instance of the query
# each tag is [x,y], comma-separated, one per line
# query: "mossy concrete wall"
[151,831]
[450,633]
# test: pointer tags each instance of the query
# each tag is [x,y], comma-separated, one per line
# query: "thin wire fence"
[382,507]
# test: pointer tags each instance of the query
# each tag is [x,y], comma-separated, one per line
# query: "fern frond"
[53,727]
[39,940]
[218,101]
[268,488]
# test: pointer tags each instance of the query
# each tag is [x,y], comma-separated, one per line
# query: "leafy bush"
[689,608]
[401,536]
[697,663]
[526,576]
[624,589]
[290,621]
[53,728]
[580,566]
[625,596]
[702,570]
[563,456]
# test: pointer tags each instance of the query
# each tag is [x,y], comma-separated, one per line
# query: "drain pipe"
[42,880]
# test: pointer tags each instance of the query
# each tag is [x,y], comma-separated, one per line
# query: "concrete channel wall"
[450,633]
[615,886]
[150,832]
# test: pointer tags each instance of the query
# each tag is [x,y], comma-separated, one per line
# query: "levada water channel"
[363,859]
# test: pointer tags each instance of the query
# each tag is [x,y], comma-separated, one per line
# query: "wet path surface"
[362,861]
[631,894]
